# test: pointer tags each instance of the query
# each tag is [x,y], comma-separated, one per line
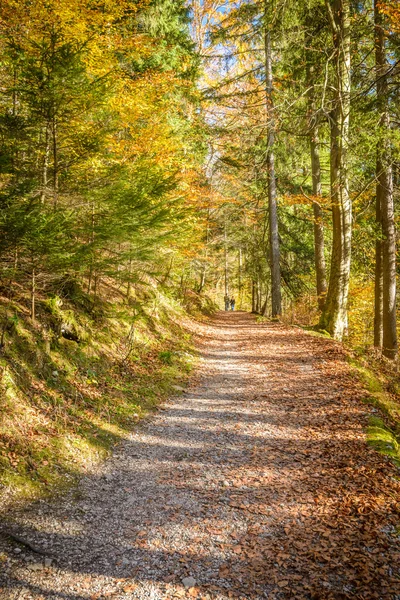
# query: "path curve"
[255,483]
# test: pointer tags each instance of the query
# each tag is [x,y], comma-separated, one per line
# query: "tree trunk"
[378,312]
[313,129]
[226,276]
[384,194]
[253,296]
[128,287]
[55,163]
[264,308]
[45,165]
[274,250]
[202,279]
[204,267]
[92,238]
[319,242]
[334,315]
[33,295]
[240,278]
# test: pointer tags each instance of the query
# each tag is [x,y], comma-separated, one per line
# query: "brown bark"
[378,292]
[45,165]
[313,128]
[319,241]
[384,193]
[240,284]
[253,297]
[226,275]
[334,315]
[274,249]
[204,266]
[33,295]
[55,163]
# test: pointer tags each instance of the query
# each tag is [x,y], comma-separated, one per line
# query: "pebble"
[36,567]
[189,582]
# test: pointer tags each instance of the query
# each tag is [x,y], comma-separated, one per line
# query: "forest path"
[256,483]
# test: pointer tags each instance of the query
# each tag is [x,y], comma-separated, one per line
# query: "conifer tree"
[385,273]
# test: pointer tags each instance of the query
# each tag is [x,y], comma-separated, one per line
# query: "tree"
[100,139]
[312,66]
[385,335]
[334,317]
[274,251]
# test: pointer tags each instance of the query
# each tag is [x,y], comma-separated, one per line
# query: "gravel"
[166,515]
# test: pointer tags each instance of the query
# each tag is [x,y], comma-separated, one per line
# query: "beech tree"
[334,316]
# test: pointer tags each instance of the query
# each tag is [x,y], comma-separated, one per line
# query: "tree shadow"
[255,495]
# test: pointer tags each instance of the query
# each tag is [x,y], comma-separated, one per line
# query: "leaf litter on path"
[257,482]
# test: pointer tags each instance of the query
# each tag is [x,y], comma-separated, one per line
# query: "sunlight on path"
[256,483]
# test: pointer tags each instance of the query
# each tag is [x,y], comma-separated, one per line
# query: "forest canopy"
[246,148]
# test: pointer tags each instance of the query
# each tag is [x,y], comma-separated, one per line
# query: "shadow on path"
[257,483]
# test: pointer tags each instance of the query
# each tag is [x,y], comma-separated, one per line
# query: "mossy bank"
[78,378]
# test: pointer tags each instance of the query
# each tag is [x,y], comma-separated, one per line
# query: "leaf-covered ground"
[257,482]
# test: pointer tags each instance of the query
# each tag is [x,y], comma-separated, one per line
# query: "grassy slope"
[63,404]
[384,427]
[381,382]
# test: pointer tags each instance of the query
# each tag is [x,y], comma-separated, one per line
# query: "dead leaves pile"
[321,509]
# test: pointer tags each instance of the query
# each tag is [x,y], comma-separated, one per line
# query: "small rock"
[178,388]
[17,550]
[189,582]
[36,567]
[226,483]
[47,562]
[55,373]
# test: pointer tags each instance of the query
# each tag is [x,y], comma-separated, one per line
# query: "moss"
[316,331]
[383,439]
[383,434]
[62,411]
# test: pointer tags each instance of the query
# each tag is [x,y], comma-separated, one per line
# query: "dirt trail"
[256,483]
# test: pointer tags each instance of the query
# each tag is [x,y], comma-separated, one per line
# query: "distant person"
[233,302]
[226,300]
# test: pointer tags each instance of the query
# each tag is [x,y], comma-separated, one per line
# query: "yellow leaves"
[74,21]
[391,9]
[306,200]
[361,302]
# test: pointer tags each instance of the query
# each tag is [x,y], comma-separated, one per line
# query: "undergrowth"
[380,378]
[64,403]
[383,431]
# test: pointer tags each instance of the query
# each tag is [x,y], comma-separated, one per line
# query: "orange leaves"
[391,9]
[129,588]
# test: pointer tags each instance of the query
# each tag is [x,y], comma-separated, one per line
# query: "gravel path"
[255,483]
